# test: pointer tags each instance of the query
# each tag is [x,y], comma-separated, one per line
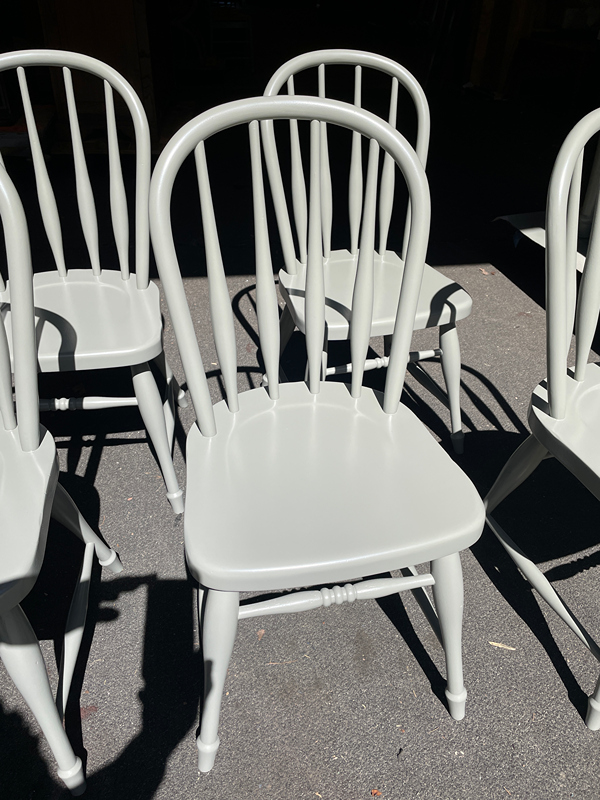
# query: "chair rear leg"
[66,512]
[218,635]
[151,409]
[451,366]
[449,602]
[174,393]
[22,657]
[520,465]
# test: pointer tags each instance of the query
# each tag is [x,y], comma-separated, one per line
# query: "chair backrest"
[263,110]
[18,256]
[564,306]
[361,61]
[112,82]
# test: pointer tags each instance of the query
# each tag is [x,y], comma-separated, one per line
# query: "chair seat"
[27,486]
[88,322]
[441,300]
[574,440]
[327,489]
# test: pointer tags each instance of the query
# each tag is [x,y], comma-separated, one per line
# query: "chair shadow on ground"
[172,674]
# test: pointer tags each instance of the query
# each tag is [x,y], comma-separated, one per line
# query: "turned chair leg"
[22,657]
[218,635]
[449,603]
[174,394]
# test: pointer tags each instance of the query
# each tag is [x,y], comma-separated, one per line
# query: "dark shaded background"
[506,80]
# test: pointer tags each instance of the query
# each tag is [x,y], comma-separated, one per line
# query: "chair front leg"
[174,393]
[22,657]
[449,602]
[218,635]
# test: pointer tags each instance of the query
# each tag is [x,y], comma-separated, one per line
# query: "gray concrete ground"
[342,703]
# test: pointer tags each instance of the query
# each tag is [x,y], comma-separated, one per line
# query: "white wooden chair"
[93,317]
[442,302]
[29,495]
[360,465]
[563,414]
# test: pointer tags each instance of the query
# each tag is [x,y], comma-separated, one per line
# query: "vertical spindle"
[299,203]
[278,196]
[266,296]
[355,187]
[85,196]
[362,300]
[326,190]
[315,283]
[118,197]
[386,191]
[220,303]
